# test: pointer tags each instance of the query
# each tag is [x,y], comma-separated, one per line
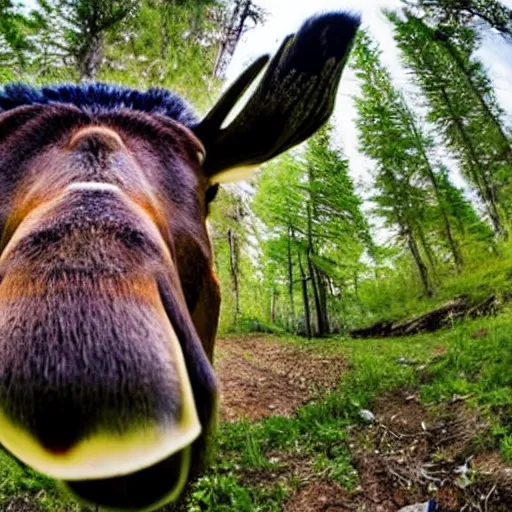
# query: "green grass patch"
[398,295]
[18,480]
[221,490]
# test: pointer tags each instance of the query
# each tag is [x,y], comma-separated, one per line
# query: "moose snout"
[95,389]
[93,396]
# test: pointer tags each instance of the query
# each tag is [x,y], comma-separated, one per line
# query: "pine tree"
[77,29]
[336,228]
[389,136]
[461,102]
[169,44]
[316,232]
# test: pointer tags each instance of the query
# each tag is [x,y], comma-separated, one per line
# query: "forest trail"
[409,454]
[260,376]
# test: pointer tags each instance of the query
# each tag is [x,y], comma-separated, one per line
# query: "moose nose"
[95,139]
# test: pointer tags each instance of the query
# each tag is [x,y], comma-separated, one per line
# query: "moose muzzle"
[94,388]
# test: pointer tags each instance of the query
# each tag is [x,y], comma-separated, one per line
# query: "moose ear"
[293,100]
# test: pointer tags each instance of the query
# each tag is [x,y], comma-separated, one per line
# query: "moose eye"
[211,193]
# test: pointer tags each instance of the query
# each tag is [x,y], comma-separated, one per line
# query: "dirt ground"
[260,377]
[408,455]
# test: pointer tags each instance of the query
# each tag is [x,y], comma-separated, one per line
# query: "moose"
[109,302]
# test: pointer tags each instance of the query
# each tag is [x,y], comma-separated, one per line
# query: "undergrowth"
[473,358]
[399,295]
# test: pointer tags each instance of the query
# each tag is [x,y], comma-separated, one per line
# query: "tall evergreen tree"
[237,19]
[461,102]
[77,29]
[389,136]
[316,229]
[169,44]
[337,231]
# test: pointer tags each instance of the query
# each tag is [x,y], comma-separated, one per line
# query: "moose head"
[109,302]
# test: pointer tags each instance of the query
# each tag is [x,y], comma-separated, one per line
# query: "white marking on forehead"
[93,185]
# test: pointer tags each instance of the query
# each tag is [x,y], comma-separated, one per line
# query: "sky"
[286,16]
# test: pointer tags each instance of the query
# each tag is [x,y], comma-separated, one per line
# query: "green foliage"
[166,44]
[463,12]
[462,103]
[388,135]
[141,43]
[15,40]
[316,233]
[75,30]
[222,491]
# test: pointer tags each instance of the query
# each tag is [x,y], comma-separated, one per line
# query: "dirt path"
[260,376]
[409,454]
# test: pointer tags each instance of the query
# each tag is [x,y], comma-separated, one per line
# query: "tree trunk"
[226,43]
[273,305]
[477,170]
[321,279]
[318,306]
[233,269]
[356,285]
[305,298]
[454,248]
[90,57]
[426,248]
[233,33]
[320,331]
[415,252]
[407,232]
[422,268]
[507,148]
[290,277]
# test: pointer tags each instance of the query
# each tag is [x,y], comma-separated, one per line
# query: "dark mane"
[99,97]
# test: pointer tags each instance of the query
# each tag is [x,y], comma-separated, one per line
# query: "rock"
[428,506]
[367,415]
[405,362]
[463,479]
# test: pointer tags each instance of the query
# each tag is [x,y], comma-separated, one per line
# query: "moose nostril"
[95,139]
[59,429]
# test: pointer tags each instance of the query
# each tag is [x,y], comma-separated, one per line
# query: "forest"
[315,250]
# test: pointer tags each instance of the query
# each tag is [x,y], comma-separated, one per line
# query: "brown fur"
[87,276]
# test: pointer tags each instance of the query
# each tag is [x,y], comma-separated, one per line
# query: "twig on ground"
[488,496]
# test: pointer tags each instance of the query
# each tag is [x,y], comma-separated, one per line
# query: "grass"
[399,296]
[249,473]
[20,481]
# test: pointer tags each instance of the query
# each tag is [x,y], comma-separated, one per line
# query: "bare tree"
[243,16]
